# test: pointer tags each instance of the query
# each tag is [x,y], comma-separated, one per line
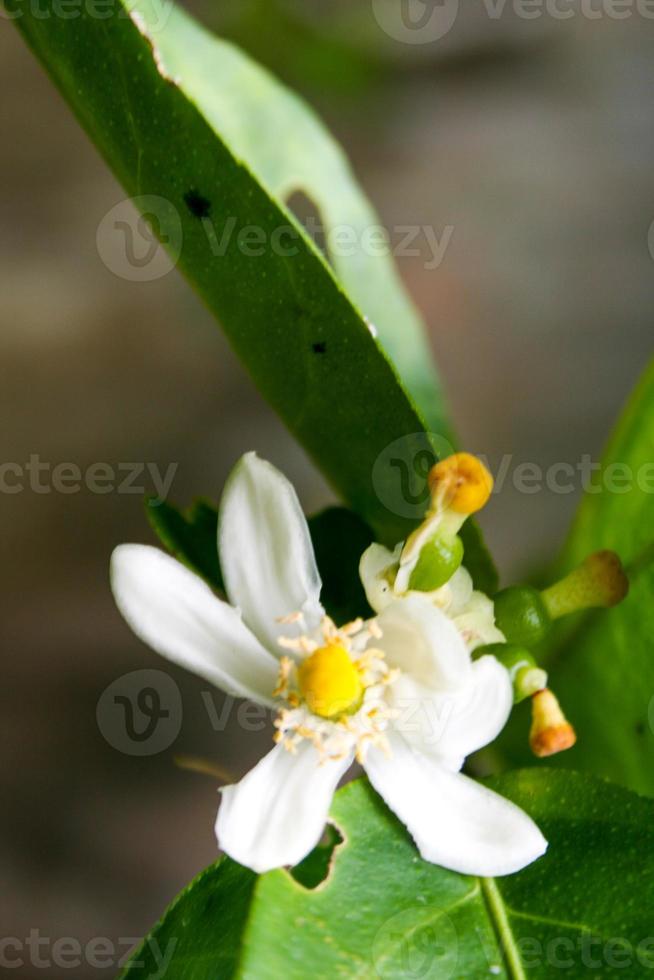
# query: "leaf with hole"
[211,146]
[582,910]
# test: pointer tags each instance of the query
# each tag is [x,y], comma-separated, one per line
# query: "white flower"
[401,692]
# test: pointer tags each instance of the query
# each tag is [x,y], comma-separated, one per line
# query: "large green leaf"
[582,910]
[289,150]
[210,145]
[603,668]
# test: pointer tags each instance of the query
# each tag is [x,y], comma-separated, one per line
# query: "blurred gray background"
[533,140]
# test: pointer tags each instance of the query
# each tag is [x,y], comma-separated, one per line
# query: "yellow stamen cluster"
[460,483]
[333,697]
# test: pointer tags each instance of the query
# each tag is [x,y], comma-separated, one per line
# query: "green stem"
[504,933]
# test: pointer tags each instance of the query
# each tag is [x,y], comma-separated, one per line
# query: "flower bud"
[551,732]
[521,614]
[600,581]
[460,483]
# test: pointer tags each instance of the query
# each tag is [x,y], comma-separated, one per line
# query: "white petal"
[424,642]
[278,811]
[450,725]
[476,621]
[266,553]
[454,821]
[375,562]
[461,591]
[174,612]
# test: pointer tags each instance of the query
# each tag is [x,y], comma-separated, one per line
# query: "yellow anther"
[460,483]
[330,682]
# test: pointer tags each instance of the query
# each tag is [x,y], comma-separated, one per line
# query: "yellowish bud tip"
[607,578]
[551,732]
[600,581]
[330,682]
[460,483]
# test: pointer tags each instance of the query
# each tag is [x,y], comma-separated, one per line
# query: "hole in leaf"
[308,214]
[315,868]
[320,347]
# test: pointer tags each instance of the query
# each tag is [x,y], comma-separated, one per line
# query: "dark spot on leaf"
[199,206]
[320,347]
[640,728]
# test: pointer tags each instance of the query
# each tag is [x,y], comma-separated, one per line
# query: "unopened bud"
[600,581]
[521,615]
[460,483]
[551,732]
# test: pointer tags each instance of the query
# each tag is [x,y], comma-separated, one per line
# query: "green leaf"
[191,536]
[382,912]
[477,559]
[339,539]
[212,145]
[289,150]
[603,668]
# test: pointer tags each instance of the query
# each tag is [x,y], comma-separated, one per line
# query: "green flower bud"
[437,563]
[522,615]
[526,676]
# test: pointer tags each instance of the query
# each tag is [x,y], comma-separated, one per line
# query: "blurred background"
[532,140]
